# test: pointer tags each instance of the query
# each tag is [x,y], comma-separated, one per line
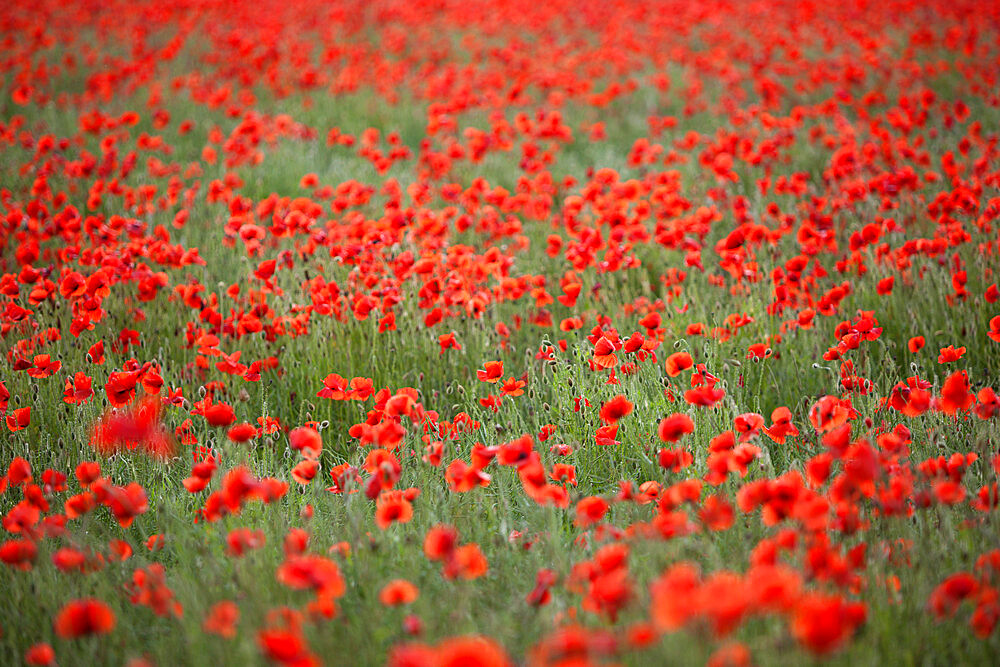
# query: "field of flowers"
[483,333]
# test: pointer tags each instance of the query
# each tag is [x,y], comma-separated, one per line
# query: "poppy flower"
[18,471]
[335,387]
[453,652]
[440,542]
[95,354]
[307,440]
[590,510]
[286,646]
[392,507]
[672,596]
[448,342]
[119,550]
[781,425]
[462,477]
[672,428]
[305,470]
[19,419]
[733,654]
[915,344]
[987,403]
[605,435]
[136,428]
[467,562]
[705,396]
[828,413]
[512,387]
[604,353]
[221,619]
[296,541]
[44,366]
[69,560]
[40,654]
[994,332]
[635,343]
[748,425]
[674,460]
[955,394]
[19,553]
[219,414]
[84,617]
[822,623]
[950,593]
[491,372]
[79,390]
[125,502]
[242,432]
[241,540]
[950,354]
[678,362]
[322,575]
[398,592]
[615,409]
[716,513]
[120,388]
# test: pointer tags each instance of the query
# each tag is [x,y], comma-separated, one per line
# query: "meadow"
[496,332]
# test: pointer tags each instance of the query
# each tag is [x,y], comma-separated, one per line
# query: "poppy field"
[485,333]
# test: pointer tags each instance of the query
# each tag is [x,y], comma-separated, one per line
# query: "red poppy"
[513,387]
[705,396]
[95,354]
[440,542]
[955,394]
[221,619]
[398,592]
[79,390]
[950,354]
[491,372]
[242,432]
[678,362]
[44,366]
[18,553]
[313,573]
[84,617]
[781,425]
[467,562]
[307,440]
[823,623]
[590,510]
[219,414]
[994,332]
[137,428]
[615,409]
[604,353]
[19,419]
[672,428]
[305,470]
[828,413]
[392,507]
[40,654]
[120,387]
